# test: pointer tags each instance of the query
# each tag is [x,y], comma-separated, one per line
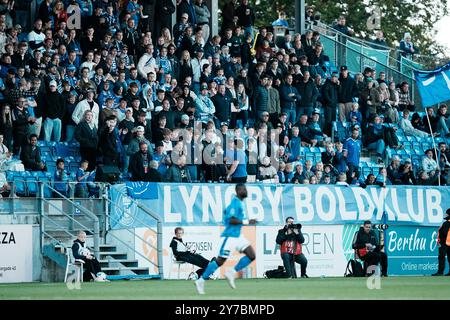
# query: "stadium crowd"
[183,105]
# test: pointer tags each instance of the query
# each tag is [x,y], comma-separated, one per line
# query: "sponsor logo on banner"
[16,253]
[322,248]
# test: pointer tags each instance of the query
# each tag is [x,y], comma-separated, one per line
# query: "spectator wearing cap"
[53,107]
[348,91]
[139,137]
[289,98]
[309,93]
[70,75]
[87,104]
[205,106]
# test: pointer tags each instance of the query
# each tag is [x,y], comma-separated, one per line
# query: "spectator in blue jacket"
[353,147]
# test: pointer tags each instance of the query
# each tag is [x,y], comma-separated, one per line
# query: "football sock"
[245,261]
[210,269]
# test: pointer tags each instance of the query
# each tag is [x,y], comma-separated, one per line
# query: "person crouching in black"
[91,264]
[290,238]
[182,252]
[368,248]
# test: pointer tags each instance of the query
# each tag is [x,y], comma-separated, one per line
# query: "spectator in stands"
[21,121]
[289,99]
[308,93]
[309,15]
[31,155]
[406,174]
[91,264]
[60,179]
[87,104]
[393,170]
[405,101]
[353,147]
[6,125]
[53,106]
[342,28]
[236,161]
[202,15]
[407,48]
[246,17]
[379,42]
[374,138]
[430,121]
[348,91]
[429,164]
[164,11]
[281,21]
[81,188]
[109,144]
[140,163]
[179,172]
[86,135]
[427,178]
[267,172]
[407,127]
[443,121]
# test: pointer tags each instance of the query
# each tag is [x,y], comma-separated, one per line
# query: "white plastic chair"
[77,264]
[173,261]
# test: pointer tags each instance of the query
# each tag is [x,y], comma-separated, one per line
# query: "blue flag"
[142,190]
[434,86]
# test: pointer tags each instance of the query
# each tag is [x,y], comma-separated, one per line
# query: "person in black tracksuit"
[182,253]
[91,265]
[444,245]
[369,248]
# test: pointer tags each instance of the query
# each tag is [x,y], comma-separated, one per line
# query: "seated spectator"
[408,128]
[374,138]
[427,179]
[342,180]
[406,174]
[91,264]
[60,179]
[81,188]
[133,146]
[267,172]
[405,101]
[153,175]
[182,252]
[443,121]
[429,165]
[382,178]
[393,170]
[31,155]
[178,172]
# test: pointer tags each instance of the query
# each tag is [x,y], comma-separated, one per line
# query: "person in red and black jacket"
[368,247]
[444,245]
[290,239]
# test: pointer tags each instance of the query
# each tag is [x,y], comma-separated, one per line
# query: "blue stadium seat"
[32,185]
[51,166]
[74,165]
[19,182]
[47,191]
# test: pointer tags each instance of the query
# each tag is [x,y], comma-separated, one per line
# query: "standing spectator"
[342,28]
[246,17]
[330,98]
[6,125]
[86,104]
[36,37]
[347,92]
[53,111]
[148,11]
[405,101]
[21,122]
[187,6]
[289,98]
[236,161]
[353,147]
[31,155]
[222,103]
[407,48]
[444,245]
[309,93]
[164,11]
[443,121]
[203,15]
[81,188]
[86,135]
[273,102]
[140,163]
[109,143]
[229,17]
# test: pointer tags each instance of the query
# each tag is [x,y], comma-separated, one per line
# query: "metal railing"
[152,215]
[42,201]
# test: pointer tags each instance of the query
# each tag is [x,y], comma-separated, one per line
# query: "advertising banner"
[203,204]
[16,253]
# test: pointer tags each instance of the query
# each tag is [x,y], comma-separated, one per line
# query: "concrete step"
[125,270]
[113,254]
[118,263]
[107,247]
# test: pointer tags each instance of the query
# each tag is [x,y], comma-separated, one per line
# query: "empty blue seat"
[19,183]
[32,185]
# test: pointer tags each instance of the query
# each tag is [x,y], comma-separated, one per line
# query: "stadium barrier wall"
[330,216]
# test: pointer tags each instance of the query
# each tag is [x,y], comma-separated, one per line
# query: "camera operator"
[290,239]
[368,248]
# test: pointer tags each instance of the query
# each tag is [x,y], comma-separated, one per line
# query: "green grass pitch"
[411,288]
